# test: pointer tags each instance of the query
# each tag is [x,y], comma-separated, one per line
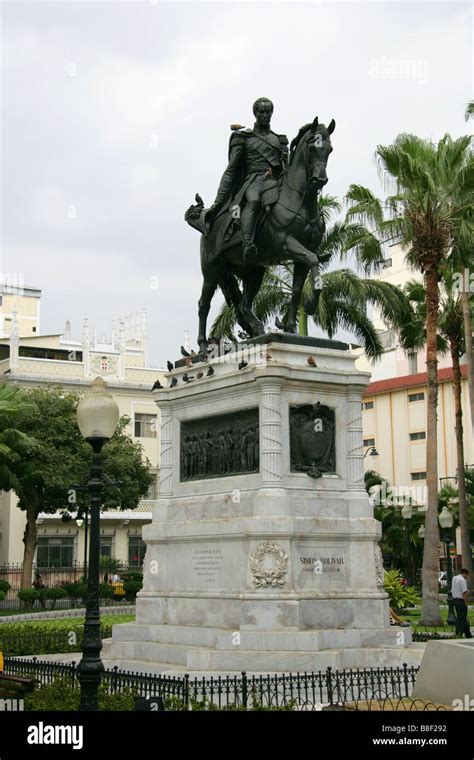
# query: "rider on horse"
[257,158]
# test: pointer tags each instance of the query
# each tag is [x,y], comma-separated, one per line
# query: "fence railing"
[52,577]
[329,687]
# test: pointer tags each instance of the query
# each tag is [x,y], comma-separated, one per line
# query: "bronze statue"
[265,212]
[257,158]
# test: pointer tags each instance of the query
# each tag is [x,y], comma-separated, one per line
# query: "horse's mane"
[296,140]
[321,128]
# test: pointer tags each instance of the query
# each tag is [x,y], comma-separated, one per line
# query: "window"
[55,552]
[418,475]
[104,364]
[33,328]
[421,436]
[368,405]
[136,551]
[145,425]
[416,397]
[105,546]
[1,300]
[152,490]
[369,442]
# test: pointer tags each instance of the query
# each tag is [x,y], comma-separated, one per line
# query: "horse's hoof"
[290,328]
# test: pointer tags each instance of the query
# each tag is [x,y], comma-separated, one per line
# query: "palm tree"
[432,190]
[344,295]
[450,337]
[469,110]
[13,443]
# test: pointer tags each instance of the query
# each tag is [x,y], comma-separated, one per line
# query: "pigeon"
[174,382]
[184,352]
[170,366]
[186,378]
[188,362]
[210,372]
[199,375]
[156,385]
[279,324]
[242,365]
[311,361]
[243,335]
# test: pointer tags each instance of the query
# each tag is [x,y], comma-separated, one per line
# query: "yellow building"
[394,423]
[19,305]
[34,360]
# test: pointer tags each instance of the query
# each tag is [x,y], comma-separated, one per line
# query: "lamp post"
[446,521]
[97,417]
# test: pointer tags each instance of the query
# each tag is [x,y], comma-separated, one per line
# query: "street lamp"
[446,521]
[97,417]
[373,452]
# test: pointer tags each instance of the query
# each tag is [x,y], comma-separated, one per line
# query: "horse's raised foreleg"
[299,253]
[252,280]
[300,272]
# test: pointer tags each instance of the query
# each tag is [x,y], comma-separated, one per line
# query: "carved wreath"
[263,576]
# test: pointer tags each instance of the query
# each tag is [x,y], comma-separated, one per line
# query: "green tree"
[44,478]
[14,444]
[344,295]
[428,209]
[450,337]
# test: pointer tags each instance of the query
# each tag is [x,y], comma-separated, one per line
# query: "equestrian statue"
[265,213]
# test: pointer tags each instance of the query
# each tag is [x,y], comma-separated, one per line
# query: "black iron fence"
[54,577]
[301,690]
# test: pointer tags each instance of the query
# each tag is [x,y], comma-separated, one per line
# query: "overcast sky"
[115,114]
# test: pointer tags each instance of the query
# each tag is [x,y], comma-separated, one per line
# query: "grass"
[413,617]
[29,626]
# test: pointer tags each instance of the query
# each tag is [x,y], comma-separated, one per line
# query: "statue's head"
[262,110]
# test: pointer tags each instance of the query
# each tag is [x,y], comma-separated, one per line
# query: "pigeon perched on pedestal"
[170,366]
[311,361]
[174,382]
[279,324]
[210,372]
[156,385]
[242,365]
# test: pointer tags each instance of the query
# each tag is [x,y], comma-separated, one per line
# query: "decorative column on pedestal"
[166,452]
[355,453]
[270,435]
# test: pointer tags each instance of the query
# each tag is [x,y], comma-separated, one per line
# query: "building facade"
[31,360]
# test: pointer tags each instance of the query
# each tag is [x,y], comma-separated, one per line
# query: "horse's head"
[312,146]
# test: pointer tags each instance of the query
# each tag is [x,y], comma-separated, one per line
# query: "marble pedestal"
[273,570]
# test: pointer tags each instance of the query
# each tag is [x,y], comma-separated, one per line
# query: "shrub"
[28,596]
[131,589]
[2,596]
[5,587]
[106,591]
[64,694]
[400,596]
[133,575]
[54,594]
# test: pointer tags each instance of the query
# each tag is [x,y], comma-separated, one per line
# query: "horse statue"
[289,230]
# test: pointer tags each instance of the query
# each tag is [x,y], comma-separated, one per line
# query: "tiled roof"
[410,381]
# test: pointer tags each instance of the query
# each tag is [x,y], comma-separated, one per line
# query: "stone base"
[217,650]
[272,569]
